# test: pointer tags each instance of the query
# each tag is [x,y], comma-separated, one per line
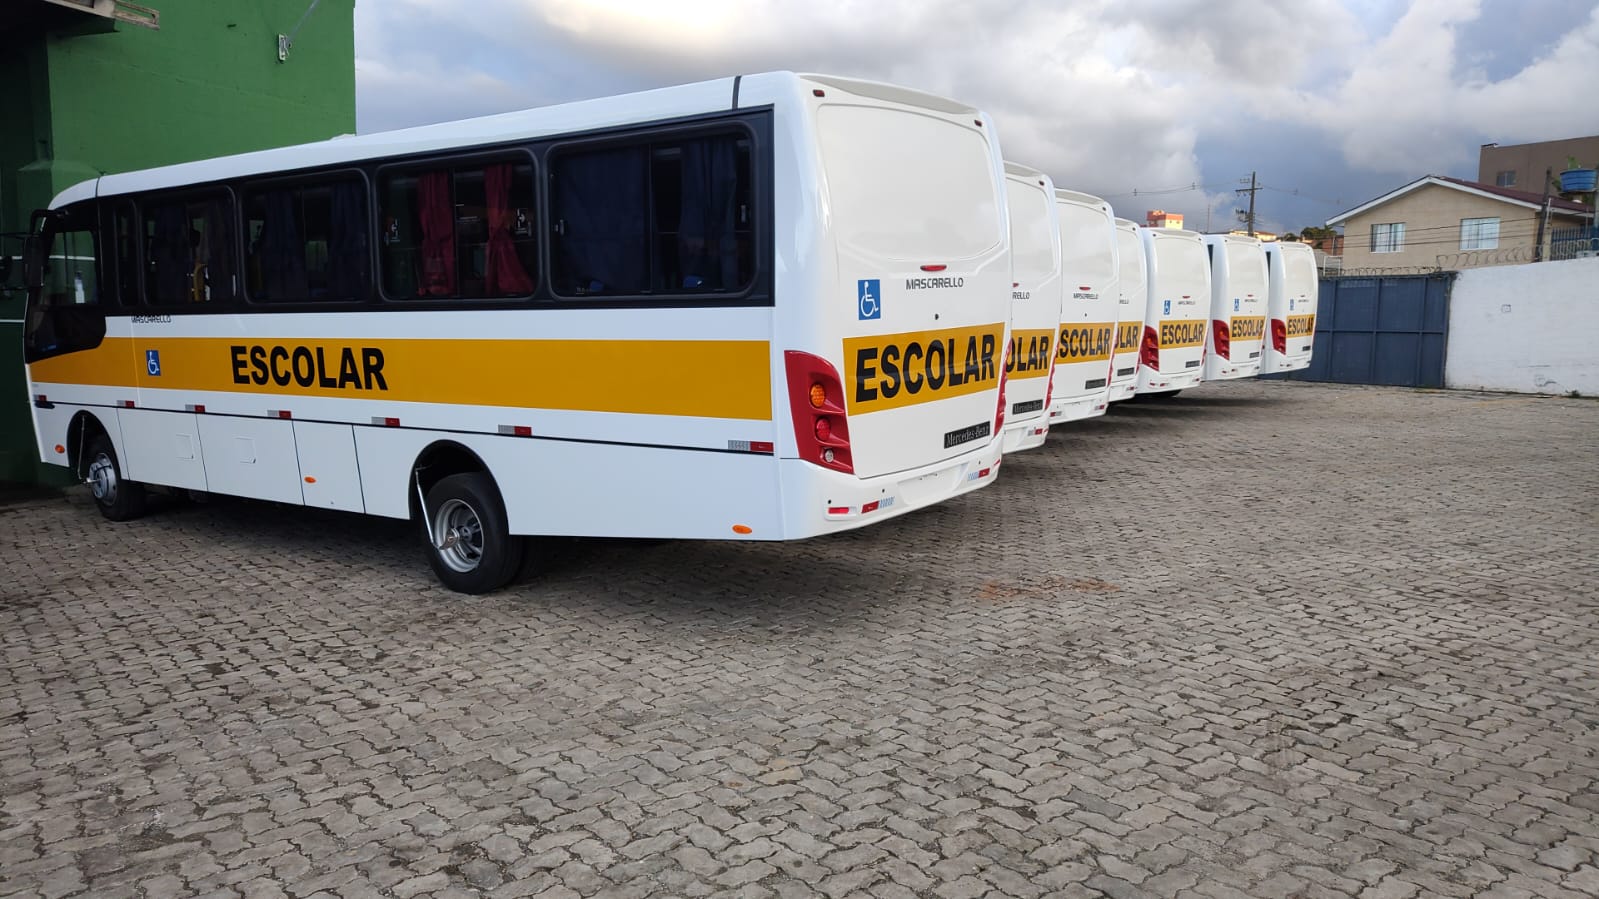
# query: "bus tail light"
[1149,350]
[1223,338]
[816,402]
[1279,336]
[1049,391]
[1004,377]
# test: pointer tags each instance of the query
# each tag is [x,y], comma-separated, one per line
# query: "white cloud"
[1103,94]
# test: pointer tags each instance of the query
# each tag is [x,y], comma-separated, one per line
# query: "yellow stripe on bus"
[1085,342]
[1301,325]
[1030,352]
[697,378]
[1176,335]
[887,371]
[1128,336]
[1245,328]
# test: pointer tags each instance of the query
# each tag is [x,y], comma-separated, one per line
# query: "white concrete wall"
[1526,328]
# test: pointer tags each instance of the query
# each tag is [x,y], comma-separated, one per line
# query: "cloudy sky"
[1333,103]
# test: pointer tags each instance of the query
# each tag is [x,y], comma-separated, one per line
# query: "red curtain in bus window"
[503,274]
[438,235]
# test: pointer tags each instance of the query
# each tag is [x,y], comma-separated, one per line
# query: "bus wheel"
[118,499]
[469,543]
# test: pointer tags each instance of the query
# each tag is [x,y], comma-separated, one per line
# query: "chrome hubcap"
[458,535]
[103,479]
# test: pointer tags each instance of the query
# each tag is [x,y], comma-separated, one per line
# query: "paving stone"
[1263,639]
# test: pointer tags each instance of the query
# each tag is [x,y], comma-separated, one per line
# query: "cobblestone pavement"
[1375,674]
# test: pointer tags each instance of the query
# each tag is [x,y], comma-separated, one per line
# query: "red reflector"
[127,404]
[869,507]
[838,510]
[284,413]
[934,268]
[983,473]
[199,408]
[41,398]
[761,446]
[522,431]
[818,92]
[391,422]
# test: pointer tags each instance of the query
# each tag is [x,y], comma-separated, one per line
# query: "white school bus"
[1035,305]
[1237,307]
[1172,353]
[1089,302]
[765,308]
[1131,287]
[1291,303]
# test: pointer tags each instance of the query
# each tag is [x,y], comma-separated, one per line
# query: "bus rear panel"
[1291,307]
[1238,288]
[1035,305]
[1132,287]
[1171,355]
[1089,307]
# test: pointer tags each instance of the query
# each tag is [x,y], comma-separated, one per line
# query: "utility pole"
[1543,218]
[1249,217]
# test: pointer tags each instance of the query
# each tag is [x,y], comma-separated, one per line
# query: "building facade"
[1445,223]
[97,86]
[1523,166]
[1160,218]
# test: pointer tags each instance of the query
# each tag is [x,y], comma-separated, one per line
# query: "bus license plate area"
[1193,363]
[929,488]
[967,434]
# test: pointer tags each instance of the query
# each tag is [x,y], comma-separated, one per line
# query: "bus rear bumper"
[817,501]
[1231,371]
[1123,390]
[1156,382]
[1277,364]
[1077,409]
[1026,435]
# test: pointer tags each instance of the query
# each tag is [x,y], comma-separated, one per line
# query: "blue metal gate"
[1381,330]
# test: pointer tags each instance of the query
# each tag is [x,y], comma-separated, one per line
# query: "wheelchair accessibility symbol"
[152,362]
[1167,308]
[869,298]
[1236,301]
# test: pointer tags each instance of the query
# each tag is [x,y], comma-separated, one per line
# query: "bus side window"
[664,217]
[307,242]
[189,248]
[459,232]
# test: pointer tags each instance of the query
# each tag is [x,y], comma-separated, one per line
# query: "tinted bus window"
[307,242]
[663,217]
[464,231]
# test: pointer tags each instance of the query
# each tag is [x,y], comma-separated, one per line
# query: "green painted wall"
[85,101]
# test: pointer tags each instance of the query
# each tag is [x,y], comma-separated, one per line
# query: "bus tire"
[119,499]
[469,543]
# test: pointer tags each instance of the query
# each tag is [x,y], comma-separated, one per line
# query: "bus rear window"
[1088,243]
[1181,261]
[1246,264]
[903,185]
[1032,247]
